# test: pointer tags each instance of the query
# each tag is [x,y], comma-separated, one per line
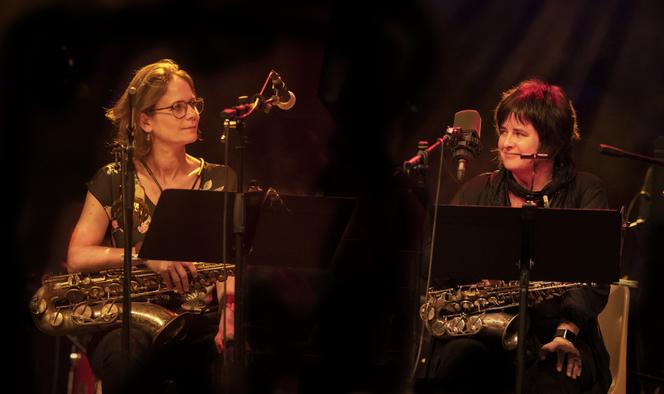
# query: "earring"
[148,137]
[200,135]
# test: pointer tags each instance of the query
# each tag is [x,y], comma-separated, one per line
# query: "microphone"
[285,99]
[529,156]
[465,139]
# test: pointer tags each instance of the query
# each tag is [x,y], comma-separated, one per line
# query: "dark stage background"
[370,83]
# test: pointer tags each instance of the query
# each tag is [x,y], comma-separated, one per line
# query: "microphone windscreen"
[468,119]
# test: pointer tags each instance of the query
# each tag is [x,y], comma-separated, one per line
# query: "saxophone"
[481,310]
[76,303]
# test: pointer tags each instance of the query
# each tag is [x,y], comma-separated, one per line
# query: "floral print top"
[106,186]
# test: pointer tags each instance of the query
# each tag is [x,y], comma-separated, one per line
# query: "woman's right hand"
[174,273]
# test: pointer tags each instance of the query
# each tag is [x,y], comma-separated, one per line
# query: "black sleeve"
[104,184]
[472,192]
[591,191]
[219,178]
[582,305]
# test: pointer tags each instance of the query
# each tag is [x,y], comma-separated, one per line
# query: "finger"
[543,352]
[184,278]
[559,362]
[192,268]
[167,280]
[577,368]
[571,362]
[175,277]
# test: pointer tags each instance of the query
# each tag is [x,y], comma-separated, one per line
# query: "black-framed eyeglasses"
[179,108]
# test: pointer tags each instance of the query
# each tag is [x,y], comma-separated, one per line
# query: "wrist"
[229,299]
[568,325]
[566,334]
[134,256]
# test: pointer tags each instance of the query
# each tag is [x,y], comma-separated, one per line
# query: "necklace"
[154,178]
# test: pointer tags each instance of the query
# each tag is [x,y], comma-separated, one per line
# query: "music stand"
[187,226]
[575,245]
[300,231]
[296,241]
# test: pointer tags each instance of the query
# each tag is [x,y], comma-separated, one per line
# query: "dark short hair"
[550,112]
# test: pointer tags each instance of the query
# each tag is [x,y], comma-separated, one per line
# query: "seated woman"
[166,115]
[565,351]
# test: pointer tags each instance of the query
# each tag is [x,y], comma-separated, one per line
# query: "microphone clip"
[464,142]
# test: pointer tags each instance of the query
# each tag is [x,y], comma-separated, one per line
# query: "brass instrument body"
[474,310]
[77,303]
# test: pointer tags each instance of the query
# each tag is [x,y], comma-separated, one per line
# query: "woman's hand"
[491,282]
[227,332]
[174,273]
[565,350]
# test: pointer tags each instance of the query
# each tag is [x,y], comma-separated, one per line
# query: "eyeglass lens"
[180,108]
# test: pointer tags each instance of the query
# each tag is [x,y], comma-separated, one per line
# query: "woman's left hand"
[565,351]
[227,318]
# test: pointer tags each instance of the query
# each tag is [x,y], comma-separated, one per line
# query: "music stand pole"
[233,120]
[525,265]
[238,231]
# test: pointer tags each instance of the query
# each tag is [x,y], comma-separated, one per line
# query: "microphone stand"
[617,152]
[234,120]
[417,166]
[128,175]
[418,163]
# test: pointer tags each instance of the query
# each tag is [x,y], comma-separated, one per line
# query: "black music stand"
[187,226]
[575,245]
[296,242]
[300,232]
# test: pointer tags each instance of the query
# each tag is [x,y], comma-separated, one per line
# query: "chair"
[613,324]
[80,379]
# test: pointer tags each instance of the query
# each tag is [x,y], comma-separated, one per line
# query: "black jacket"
[580,306]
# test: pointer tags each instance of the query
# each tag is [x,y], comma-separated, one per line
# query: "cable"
[430,262]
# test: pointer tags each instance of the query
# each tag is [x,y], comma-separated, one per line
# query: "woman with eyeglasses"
[166,116]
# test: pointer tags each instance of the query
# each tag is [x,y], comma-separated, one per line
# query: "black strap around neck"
[147,168]
[561,177]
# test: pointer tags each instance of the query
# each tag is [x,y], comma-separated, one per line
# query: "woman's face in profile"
[516,138]
[164,125]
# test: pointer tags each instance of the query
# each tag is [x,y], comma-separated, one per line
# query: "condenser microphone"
[465,139]
[285,99]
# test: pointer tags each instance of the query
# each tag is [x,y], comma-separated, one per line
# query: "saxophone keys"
[109,311]
[82,312]
[74,296]
[475,323]
[113,289]
[431,313]
[438,328]
[134,286]
[96,292]
[456,326]
[38,304]
[56,319]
